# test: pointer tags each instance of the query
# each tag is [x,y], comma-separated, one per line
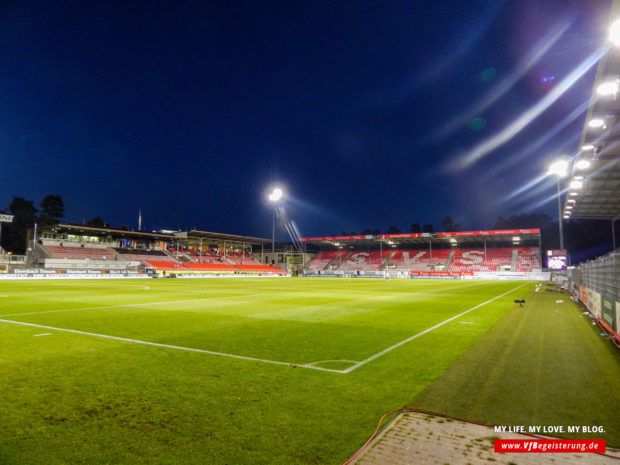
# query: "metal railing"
[601,275]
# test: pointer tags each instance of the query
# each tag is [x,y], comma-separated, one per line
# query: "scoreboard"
[557,259]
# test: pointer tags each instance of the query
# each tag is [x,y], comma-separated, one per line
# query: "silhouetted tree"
[415,228]
[96,222]
[393,230]
[52,209]
[376,232]
[428,228]
[366,232]
[14,234]
[448,225]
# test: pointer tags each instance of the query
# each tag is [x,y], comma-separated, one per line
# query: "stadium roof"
[169,236]
[112,231]
[458,237]
[193,234]
[599,198]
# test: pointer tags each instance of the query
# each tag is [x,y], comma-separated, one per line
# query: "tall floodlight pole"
[559,168]
[560,215]
[274,197]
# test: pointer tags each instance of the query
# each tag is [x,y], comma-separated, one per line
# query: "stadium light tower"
[559,168]
[274,198]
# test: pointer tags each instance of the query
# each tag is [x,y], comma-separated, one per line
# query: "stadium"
[166,346]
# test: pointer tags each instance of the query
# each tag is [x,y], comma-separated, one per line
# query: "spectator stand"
[497,251]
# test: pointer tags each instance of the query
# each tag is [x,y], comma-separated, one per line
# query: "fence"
[597,285]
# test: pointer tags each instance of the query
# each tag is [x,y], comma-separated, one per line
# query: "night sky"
[370,113]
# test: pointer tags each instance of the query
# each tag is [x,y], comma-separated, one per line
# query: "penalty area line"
[169,346]
[428,330]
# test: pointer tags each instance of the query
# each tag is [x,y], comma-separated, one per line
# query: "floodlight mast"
[274,197]
[559,169]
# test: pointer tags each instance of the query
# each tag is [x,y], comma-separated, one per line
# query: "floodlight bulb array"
[596,123]
[608,88]
[276,195]
[614,32]
[558,168]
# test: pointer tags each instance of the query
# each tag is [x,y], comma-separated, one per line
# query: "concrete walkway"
[414,438]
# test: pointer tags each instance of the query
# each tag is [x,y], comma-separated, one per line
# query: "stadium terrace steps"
[322,260]
[80,253]
[513,261]
[528,259]
[419,259]
[523,259]
[363,261]
[449,260]
[387,260]
[242,260]
[479,260]
[142,255]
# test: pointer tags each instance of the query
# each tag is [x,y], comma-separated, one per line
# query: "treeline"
[25,213]
[447,225]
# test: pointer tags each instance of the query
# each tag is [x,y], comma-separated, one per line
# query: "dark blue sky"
[364,110]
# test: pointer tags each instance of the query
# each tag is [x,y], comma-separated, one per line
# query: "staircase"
[449,260]
[513,261]
[340,259]
[387,260]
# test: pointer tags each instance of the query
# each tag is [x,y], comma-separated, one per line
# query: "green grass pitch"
[272,371]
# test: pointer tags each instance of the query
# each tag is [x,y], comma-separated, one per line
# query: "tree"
[96,222]
[393,230]
[376,232]
[428,228]
[52,210]
[14,236]
[448,225]
[366,232]
[415,228]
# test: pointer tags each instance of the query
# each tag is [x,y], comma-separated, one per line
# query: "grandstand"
[194,252]
[503,251]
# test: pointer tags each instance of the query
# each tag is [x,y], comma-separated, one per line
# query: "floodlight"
[575,185]
[582,165]
[566,217]
[587,147]
[596,123]
[568,207]
[578,178]
[558,168]
[608,88]
[573,194]
[614,32]
[276,195]
[571,201]
[516,238]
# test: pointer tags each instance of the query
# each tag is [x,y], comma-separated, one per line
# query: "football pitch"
[240,371]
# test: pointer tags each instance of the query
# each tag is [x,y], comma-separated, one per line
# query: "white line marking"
[42,334]
[168,346]
[132,305]
[415,336]
[331,361]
